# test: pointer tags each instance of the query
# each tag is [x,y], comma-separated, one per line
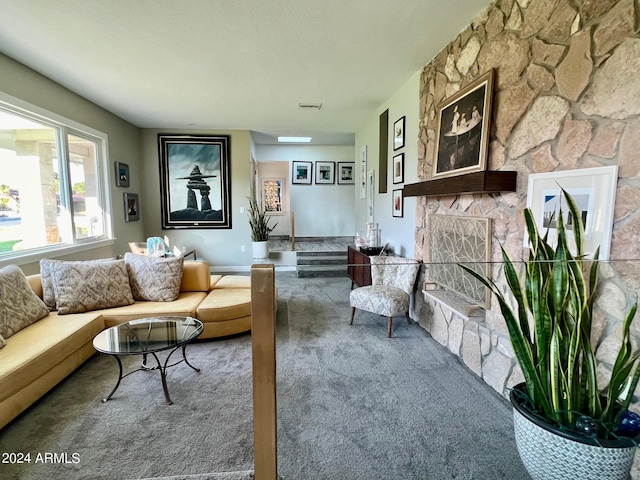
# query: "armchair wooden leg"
[408,317]
[353,312]
[389,326]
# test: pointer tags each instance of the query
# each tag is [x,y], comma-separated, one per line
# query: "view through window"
[50,184]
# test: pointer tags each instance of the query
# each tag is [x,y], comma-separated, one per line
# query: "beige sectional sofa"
[37,357]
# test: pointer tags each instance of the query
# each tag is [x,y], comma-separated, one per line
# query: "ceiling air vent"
[309,106]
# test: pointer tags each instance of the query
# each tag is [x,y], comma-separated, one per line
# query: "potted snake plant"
[565,426]
[260,229]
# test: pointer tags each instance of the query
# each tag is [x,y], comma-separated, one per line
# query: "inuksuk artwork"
[196,182]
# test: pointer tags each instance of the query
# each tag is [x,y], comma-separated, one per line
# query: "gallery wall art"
[195,176]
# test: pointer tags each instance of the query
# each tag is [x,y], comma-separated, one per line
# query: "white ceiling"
[234,64]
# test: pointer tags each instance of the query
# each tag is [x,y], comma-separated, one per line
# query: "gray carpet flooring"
[352,404]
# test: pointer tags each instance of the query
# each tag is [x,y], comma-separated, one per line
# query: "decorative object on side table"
[565,426]
[363,172]
[259,221]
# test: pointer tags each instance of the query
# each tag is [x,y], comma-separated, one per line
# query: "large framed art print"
[463,129]
[195,177]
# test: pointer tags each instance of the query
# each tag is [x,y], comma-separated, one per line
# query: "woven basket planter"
[552,454]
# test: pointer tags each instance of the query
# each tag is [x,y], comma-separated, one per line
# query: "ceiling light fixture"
[309,106]
[294,139]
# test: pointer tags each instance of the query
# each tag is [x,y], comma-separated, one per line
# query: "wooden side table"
[358,267]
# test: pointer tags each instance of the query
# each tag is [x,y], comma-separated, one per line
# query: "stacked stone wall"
[566,96]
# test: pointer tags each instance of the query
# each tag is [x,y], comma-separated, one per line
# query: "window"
[52,183]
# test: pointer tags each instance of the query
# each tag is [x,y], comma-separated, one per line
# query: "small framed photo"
[301,173]
[122,174]
[363,171]
[398,203]
[131,207]
[398,134]
[398,168]
[325,173]
[346,173]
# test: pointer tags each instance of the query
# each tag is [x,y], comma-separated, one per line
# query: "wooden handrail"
[263,349]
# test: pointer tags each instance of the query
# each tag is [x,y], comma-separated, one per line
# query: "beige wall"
[567,96]
[25,84]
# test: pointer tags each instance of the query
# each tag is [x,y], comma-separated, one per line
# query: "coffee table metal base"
[159,366]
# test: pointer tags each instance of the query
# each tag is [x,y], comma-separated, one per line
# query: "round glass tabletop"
[147,335]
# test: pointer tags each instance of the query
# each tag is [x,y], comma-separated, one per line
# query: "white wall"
[320,210]
[398,232]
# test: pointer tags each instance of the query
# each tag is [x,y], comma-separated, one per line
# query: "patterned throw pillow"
[19,306]
[48,294]
[83,286]
[155,279]
[3,342]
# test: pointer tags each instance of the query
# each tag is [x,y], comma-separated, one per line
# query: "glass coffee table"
[147,337]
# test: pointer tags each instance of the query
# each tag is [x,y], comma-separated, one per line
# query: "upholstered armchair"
[389,294]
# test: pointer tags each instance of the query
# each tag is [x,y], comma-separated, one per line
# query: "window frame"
[65,127]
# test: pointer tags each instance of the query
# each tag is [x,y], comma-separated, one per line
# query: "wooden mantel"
[477,182]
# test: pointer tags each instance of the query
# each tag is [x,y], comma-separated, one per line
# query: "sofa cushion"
[234,281]
[195,276]
[154,279]
[225,304]
[48,290]
[83,286]
[19,305]
[41,347]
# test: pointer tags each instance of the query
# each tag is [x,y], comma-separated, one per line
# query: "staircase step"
[329,253]
[311,271]
[322,260]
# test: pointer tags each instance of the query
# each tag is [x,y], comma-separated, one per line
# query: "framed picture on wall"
[398,134]
[594,191]
[131,207]
[398,168]
[363,172]
[371,190]
[325,173]
[122,174]
[301,173]
[398,203]
[463,129]
[346,174]
[195,181]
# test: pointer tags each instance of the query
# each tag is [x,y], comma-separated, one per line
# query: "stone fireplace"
[566,96]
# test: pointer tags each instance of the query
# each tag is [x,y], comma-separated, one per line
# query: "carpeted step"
[312,271]
[321,260]
[321,264]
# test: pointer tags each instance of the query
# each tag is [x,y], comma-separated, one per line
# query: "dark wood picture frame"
[192,165]
[301,173]
[346,173]
[462,136]
[398,168]
[122,174]
[398,133]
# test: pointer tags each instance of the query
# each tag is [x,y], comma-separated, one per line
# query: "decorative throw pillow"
[155,279]
[19,306]
[3,342]
[48,294]
[83,286]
